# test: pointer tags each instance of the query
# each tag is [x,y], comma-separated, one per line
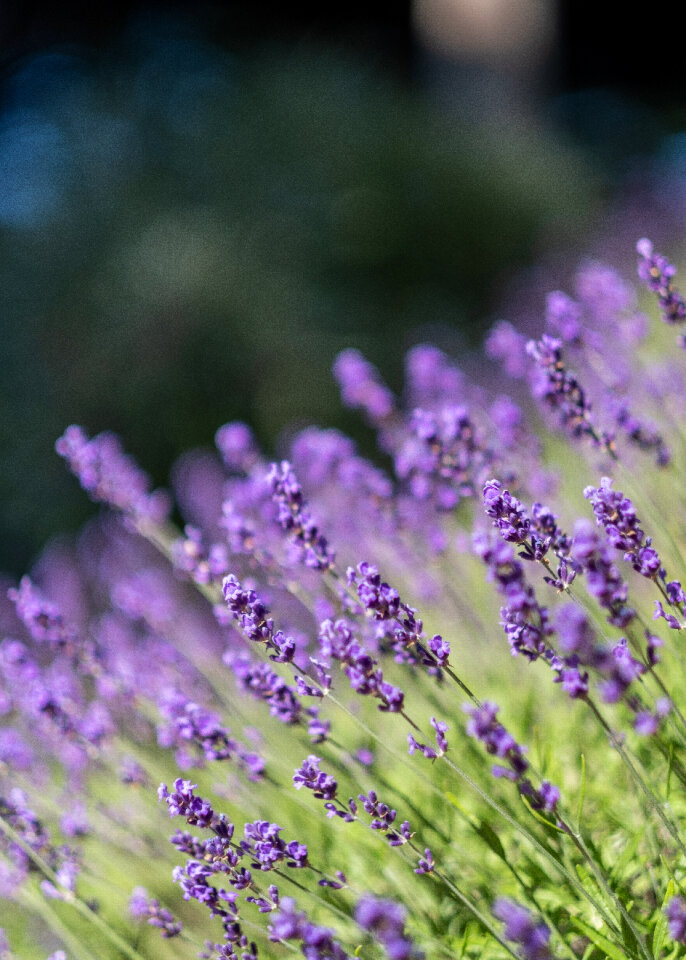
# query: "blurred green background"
[189,235]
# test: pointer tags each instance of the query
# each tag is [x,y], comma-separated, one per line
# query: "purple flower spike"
[441,741]
[109,476]
[294,517]
[561,391]
[236,444]
[510,519]
[248,611]
[657,273]
[676,918]
[317,943]
[521,928]
[375,596]
[361,386]
[386,921]
[41,618]
[617,514]
[440,649]
[141,907]
[426,863]
[183,802]
[483,725]
[310,776]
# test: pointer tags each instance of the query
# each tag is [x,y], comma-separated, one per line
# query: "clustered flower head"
[483,725]
[657,273]
[520,927]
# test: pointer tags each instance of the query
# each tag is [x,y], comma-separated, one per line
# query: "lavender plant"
[313,675]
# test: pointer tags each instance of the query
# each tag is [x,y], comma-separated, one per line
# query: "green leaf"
[596,938]
[490,837]
[628,934]
[660,929]
[451,798]
[627,854]
[668,786]
[465,940]
[548,823]
[582,793]
[591,887]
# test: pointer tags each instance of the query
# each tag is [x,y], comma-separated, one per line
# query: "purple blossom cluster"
[317,943]
[294,516]
[189,723]
[383,817]
[441,459]
[615,666]
[657,273]
[483,725]
[386,921]
[143,907]
[676,918]
[221,858]
[361,386]
[32,838]
[531,936]
[510,519]
[429,752]
[525,621]
[384,605]
[193,558]
[337,641]
[109,476]
[617,515]
[561,391]
[603,581]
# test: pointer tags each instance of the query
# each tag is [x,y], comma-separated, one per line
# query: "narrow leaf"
[582,793]
[607,946]
[660,930]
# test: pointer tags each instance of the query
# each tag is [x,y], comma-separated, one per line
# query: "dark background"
[202,203]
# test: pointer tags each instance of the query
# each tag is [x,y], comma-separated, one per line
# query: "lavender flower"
[386,920]
[441,458]
[310,776]
[338,642]
[525,621]
[248,611]
[563,393]
[676,918]
[43,619]
[602,578]
[361,386]
[263,843]
[520,927]
[426,863]
[484,726]
[317,943]
[441,742]
[142,907]
[617,514]
[295,518]
[513,524]
[236,444]
[109,476]
[657,273]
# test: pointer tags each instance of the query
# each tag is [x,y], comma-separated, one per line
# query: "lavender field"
[426,706]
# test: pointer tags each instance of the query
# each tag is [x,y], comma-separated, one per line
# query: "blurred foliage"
[188,237]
